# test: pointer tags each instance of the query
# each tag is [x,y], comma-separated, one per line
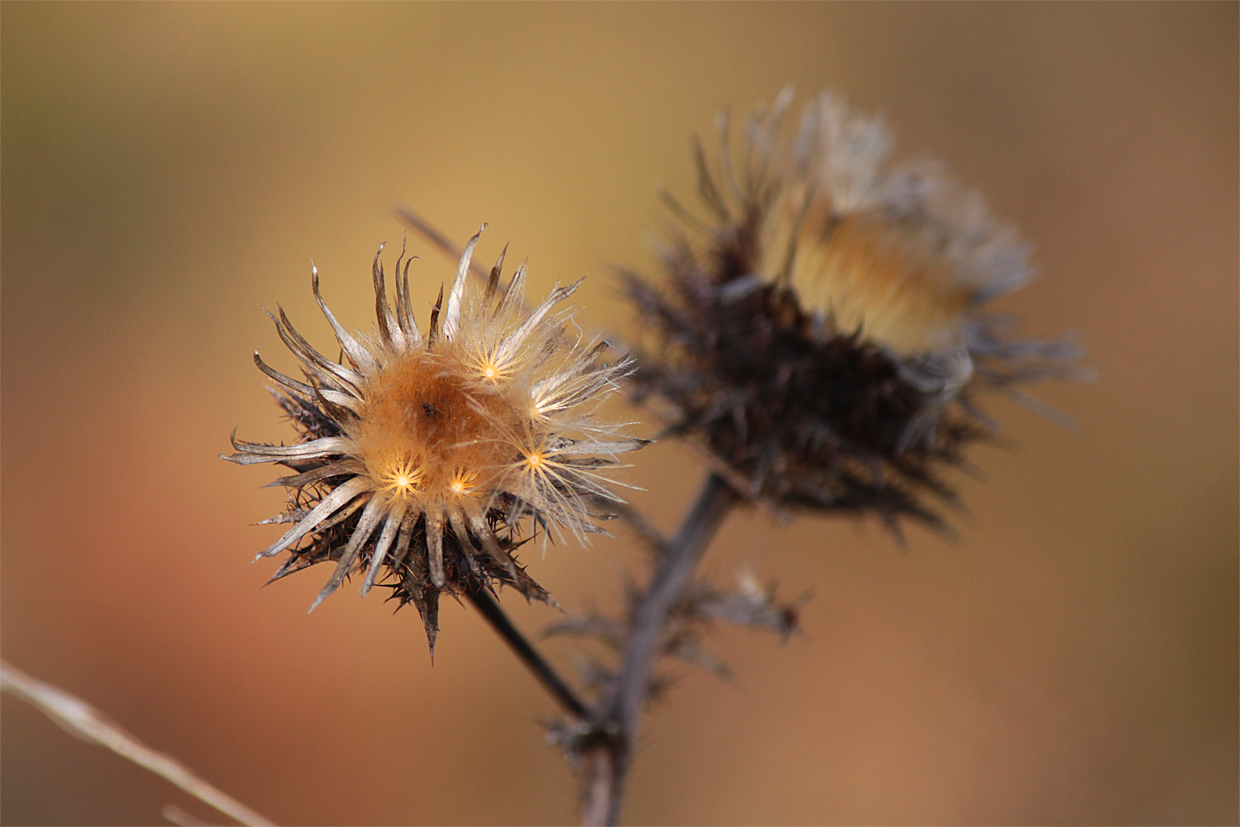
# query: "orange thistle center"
[425,430]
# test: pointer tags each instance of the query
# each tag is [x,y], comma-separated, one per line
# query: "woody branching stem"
[614,724]
[610,727]
[607,760]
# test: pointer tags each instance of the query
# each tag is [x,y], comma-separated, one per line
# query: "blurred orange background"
[170,168]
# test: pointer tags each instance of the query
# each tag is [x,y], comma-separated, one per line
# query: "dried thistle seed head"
[825,340]
[421,454]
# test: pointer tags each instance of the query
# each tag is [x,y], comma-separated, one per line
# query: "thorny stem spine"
[607,763]
[525,651]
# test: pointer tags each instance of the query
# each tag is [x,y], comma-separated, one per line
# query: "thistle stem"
[607,763]
[525,651]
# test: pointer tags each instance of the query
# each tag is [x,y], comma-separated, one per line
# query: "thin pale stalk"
[86,722]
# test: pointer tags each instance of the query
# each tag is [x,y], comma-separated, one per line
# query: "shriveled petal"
[276,376]
[434,546]
[402,541]
[452,314]
[339,496]
[513,295]
[404,306]
[389,327]
[578,383]
[252,452]
[493,282]
[329,370]
[432,330]
[512,342]
[390,528]
[332,469]
[457,521]
[365,526]
[590,447]
[340,398]
[357,354]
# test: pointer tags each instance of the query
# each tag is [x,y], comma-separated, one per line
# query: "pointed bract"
[420,457]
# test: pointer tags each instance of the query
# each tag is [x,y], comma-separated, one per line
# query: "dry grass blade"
[86,722]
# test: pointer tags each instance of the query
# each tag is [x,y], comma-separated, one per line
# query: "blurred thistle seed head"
[824,336]
[420,454]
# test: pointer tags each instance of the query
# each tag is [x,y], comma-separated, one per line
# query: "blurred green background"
[168,168]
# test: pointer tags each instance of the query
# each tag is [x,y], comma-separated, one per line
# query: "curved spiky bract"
[825,339]
[422,451]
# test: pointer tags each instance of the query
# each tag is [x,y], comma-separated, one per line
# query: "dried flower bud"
[826,340]
[420,455]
